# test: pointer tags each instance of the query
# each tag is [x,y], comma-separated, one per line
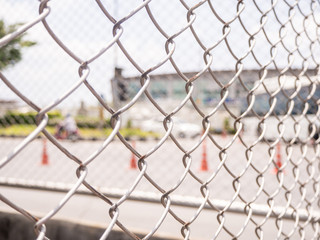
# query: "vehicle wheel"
[182,135]
[195,135]
[73,137]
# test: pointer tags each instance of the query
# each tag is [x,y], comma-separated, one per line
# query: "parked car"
[181,128]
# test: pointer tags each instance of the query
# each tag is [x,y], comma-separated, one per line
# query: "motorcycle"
[63,133]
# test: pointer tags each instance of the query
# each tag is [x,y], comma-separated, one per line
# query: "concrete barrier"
[18,227]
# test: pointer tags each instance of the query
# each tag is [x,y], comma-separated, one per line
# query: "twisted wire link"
[290,104]
[251,100]
[280,124]
[223,155]
[303,166]
[310,163]
[261,177]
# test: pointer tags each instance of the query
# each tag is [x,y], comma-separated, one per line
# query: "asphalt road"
[111,170]
[139,217]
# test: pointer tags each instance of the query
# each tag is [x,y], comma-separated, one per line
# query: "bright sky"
[46,71]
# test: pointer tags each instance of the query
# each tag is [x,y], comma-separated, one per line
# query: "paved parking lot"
[111,171]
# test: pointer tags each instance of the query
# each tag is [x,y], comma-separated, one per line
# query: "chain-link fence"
[211,104]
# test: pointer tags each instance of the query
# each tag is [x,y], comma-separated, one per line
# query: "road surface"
[111,170]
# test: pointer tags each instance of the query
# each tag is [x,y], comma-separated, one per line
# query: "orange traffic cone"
[45,158]
[133,162]
[278,158]
[204,162]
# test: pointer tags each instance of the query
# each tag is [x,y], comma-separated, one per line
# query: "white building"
[168,91]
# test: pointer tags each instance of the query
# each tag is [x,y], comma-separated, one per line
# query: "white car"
[180,128]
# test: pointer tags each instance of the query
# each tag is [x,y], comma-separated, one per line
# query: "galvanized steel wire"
[305,213]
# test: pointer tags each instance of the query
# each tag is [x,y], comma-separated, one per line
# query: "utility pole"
[119,88]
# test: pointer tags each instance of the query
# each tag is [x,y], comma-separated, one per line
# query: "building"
[7,105]
[169,89]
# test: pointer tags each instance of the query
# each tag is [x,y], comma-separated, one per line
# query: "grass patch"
[21,130]
[24,130]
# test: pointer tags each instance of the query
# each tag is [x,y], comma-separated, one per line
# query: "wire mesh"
[227,95]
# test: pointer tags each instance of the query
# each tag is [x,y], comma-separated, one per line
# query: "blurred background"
[230,48]
[248,42]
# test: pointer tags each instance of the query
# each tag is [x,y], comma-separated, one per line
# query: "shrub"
[29,118]
[92,123]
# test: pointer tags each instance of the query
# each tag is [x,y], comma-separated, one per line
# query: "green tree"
[10,54]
